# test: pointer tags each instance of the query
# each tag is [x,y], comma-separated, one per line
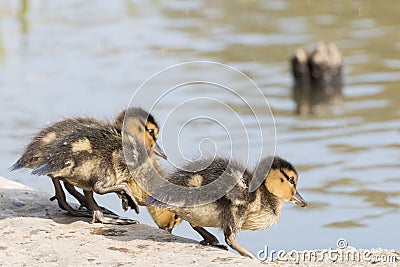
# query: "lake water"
[65,58]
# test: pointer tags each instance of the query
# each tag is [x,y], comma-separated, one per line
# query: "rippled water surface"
[63,58]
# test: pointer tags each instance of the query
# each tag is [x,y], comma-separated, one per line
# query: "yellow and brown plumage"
[92,158]
[39,150]
[88,153]
[238,209]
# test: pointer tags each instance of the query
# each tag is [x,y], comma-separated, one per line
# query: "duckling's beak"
[159,151]
[298,200]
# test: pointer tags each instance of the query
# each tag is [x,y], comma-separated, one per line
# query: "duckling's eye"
[150,131]
[291,180]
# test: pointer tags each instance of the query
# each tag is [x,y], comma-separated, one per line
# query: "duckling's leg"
[231,241]
[120,188]
[98,214]
[103,209]
[62,201]
[82,199]
[209,238]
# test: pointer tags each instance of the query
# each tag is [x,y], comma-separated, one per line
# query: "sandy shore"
[35,232]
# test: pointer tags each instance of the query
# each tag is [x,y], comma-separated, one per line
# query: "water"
[59,59]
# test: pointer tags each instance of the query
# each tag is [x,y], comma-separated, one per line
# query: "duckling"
[239,209]
[39,150]
[92,158]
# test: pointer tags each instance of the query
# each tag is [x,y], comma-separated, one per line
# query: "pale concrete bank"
[34,232]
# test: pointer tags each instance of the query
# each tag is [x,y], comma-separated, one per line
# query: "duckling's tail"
[25,161]
[17,165]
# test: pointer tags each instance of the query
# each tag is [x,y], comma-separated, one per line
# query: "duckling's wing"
[220,180]
[240,192]
[38,150]
[43,169]
[75,148]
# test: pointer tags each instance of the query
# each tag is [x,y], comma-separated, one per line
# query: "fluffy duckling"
[39,150]
[239,209]
[92,158]
[44,143]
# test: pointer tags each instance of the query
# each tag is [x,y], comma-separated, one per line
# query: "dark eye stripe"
[290,179]
[284,174]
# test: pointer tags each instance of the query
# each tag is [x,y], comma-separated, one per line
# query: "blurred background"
[65,58]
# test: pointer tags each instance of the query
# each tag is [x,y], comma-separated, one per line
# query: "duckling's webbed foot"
[86,205]
[103,209]
[83,201]
[209,239]
[124,201]
[120,188]
[98,215]
[83,210]
[213,244]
